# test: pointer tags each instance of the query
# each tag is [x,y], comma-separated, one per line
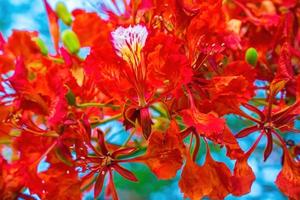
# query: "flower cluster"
[170,71]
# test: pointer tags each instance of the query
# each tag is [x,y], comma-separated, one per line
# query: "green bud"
[70,41]
[251,56]
[40,43]
[71,98]
[63,13]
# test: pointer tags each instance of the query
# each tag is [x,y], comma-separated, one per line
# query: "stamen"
[129,42]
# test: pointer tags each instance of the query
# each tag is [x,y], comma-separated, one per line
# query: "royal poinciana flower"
[171,70]
[105,162]
[138,70]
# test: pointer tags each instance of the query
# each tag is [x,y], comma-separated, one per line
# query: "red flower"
[212,180]
[164,152]
[104,163]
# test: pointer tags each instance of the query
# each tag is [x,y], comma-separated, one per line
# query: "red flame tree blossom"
[169,71]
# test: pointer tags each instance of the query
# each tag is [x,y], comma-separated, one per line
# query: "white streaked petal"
[129,41]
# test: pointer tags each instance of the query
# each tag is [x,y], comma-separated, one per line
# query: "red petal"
[20,43]
[2,41]
[243,178]
[87,180]
[111,189]
[212,180]
[167,66]
[145,122]
[130,115]
[269,146]
[125,173]
[163,154]
[255,110]
[59,181]
[99,182]
[284,69]
[197,146]
[234,150]
[123,151]
[288,179]
[53,24]
[101,142]
[246,131]
[90,28]
[206,124]
[87,126]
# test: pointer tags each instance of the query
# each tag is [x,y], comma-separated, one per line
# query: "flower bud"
[63,13]
[251,56]
[42,46]
[70,41]
[145,122]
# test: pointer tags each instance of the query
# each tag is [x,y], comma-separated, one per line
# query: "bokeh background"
[31,15]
